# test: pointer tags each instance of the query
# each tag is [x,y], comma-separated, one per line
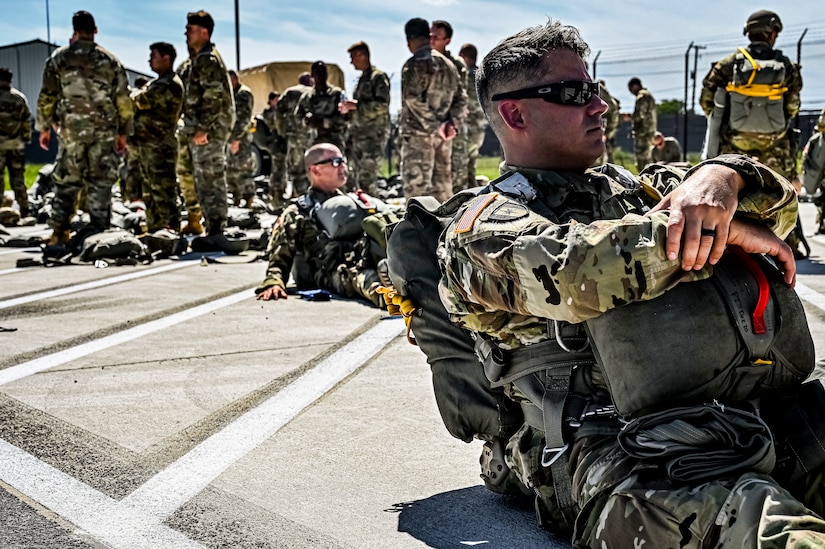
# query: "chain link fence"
[674,74]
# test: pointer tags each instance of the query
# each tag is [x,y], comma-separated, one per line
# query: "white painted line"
[810,295]
[14,270]
[93,512]
[37,365]
[181,481]
[96,284]
[136,521]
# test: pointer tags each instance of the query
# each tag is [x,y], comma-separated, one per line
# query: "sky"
[309,30]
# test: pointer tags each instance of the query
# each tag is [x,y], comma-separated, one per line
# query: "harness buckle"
[558,337]
[548,461]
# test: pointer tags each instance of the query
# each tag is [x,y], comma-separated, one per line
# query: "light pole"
[237,38]
[48,25]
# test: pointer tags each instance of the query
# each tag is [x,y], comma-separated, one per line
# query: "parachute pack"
[757,96]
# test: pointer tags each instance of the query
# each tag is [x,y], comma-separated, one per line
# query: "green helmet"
[762,21]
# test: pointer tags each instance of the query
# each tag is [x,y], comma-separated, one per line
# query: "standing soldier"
[240,159]
[369,111]
[157,111]
[644,122]
[763,88]
[813,171]
[15,132]
[610,121]
[277,151]
[85,89]
[208,117]
[183,167]
[475,124]
[131,184]
[297,135]
[318,108]
[433,106]
[441,34]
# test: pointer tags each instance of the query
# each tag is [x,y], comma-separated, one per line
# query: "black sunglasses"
[336,161]
[573,92]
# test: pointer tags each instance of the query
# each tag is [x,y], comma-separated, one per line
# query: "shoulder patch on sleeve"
[509,211]
[468,218]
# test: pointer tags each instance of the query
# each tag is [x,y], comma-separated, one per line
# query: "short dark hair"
[417,28]
[273,95]
[201,18]
[232,72]
[469,50]
[519,61]
[359,46]
[165,48]
[141,81]
[83,21]
[634,82]
[5,74]
[441,24]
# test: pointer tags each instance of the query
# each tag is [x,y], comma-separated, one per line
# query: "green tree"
[670,106]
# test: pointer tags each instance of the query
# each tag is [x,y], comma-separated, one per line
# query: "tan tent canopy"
[279,76]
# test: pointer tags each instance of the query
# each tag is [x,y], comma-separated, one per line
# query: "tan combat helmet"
[762,21]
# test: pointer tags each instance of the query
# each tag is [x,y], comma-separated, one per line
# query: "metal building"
[26,61]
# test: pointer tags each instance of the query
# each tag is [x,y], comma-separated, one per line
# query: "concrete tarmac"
[162,405]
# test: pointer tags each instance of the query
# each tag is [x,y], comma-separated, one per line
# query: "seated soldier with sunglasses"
[320,237]
[530,265]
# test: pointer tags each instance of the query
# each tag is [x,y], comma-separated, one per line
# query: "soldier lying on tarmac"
[326,238]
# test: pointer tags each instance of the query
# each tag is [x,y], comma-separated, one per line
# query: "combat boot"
[193,226]
[58,237]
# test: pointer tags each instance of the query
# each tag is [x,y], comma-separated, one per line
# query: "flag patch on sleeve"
[468,218]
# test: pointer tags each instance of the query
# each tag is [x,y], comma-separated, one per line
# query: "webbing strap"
[771,91]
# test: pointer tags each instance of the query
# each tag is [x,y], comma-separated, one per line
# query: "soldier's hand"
[120,144]
[45,139]
[757,239]
[272,293]
[447,130]
[200,138]
[701,210]
[234,146]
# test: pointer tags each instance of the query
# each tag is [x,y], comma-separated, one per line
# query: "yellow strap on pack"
[771,91]
[398,305]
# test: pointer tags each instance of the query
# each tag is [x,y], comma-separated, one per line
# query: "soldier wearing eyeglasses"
[553,243]
[308,243]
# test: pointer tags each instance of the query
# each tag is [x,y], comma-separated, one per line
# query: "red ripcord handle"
[758,315]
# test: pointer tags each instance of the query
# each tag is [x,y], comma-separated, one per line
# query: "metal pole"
[685,116]
[595,62]
[48,25]
[237,38]
[799,63]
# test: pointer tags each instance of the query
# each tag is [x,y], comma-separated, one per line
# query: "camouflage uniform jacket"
[373,95]
[644,114]
[287,123]
[323,105]
[511,265]
[244,104]
[157,109]
[431,93]
[296,233]
[475,115]
[671,152]
[15,119]
[722,73]
[611,117]
[208,105]
[86,88]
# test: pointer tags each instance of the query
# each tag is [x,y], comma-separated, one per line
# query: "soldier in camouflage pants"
[298,135]
[277,150]
[158,105]
[562,244]
[93,126]
[644,122]
[208,117]
[475,124]
[433,107]
[240,158]
[369,112]
[15,132]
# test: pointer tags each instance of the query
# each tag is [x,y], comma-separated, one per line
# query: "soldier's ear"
[510,111]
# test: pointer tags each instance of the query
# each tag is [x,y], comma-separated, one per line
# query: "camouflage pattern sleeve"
[282,247]
[501,256]
[49,96]
[644,113]
[158,106]
[25,121]
[719,75]
[244,104]
[793,80]
[122,101]
[210,95]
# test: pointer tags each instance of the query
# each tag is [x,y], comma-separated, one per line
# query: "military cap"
[202,19]
[83,21]
[762,21]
